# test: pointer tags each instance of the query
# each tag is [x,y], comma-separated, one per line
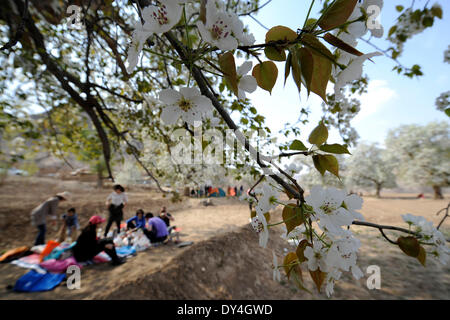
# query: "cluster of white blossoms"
[223,29]
[335,250]
[158,19]
[443,101]
[268,199]
[354,31]
[447,55]
[436,247]
[409,25]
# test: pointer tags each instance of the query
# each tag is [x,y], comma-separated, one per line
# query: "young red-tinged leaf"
[409,245]
[296,69]
[321,76]
[228,67]
[335,41]
[422,257]
[318,164]
[298,145]
[289,263]
[337,14]
[287,68]
[301,250]
[317,47]
[307,67]
[266,74]
[292,216]
[334,148]
[318,277]
[319,135]
[202,16]
[280,33]
[275,54]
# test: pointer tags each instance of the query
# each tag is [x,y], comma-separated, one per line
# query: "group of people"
[208,190]
[88,243]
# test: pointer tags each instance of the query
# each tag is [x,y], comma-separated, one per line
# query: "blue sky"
[392,99]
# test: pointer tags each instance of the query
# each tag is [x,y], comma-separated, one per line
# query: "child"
[70,223]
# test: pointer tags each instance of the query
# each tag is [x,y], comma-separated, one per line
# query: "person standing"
[40,213]
[116,202]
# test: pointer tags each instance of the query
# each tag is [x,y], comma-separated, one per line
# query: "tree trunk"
[99,178]
[437,192]
[378,190]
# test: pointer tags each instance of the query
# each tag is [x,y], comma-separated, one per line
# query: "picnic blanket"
[59,266]
[30,262]
[14,254]
[125,251]
[61,252]
[33,281]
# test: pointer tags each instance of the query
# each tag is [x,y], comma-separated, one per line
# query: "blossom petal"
[170,114]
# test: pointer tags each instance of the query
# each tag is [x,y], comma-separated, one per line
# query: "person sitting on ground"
[40,213]
[70,225]
[88,245]
[167,217]
[156,228]
[137,222]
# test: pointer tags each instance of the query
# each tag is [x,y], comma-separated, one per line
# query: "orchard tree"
[421,154]
[180,72]
[369,167]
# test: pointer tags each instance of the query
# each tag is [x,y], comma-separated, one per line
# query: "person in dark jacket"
[116,202]
[88,245]
[40,213]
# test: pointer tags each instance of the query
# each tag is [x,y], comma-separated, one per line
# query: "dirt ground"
[225,261]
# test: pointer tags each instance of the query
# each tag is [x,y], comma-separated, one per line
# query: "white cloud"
[377,97]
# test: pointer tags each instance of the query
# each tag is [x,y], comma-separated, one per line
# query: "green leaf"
[292,216]
[422,257]
[318,165]
[280,33]
[392,30]
[334,148]
[289,262]
[228,67]
[318,277]
[337,14]
[266,74]
[298,145]
[287,68]
[319,135]
[427,22]
[307,67]
[409,245]
[331,164]
[447,112]
[335,41]
[436,11]
[296,70]
[399,8]
[275,54]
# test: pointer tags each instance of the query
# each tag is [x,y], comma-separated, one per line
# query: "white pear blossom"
[342,253]
[157,19]
[268,200]
[352,72]
[259,224]
[332,276]
[354,202]
[222,29]
[189,104]
[327,205]
[316,256]
[246,83]
[276,270]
